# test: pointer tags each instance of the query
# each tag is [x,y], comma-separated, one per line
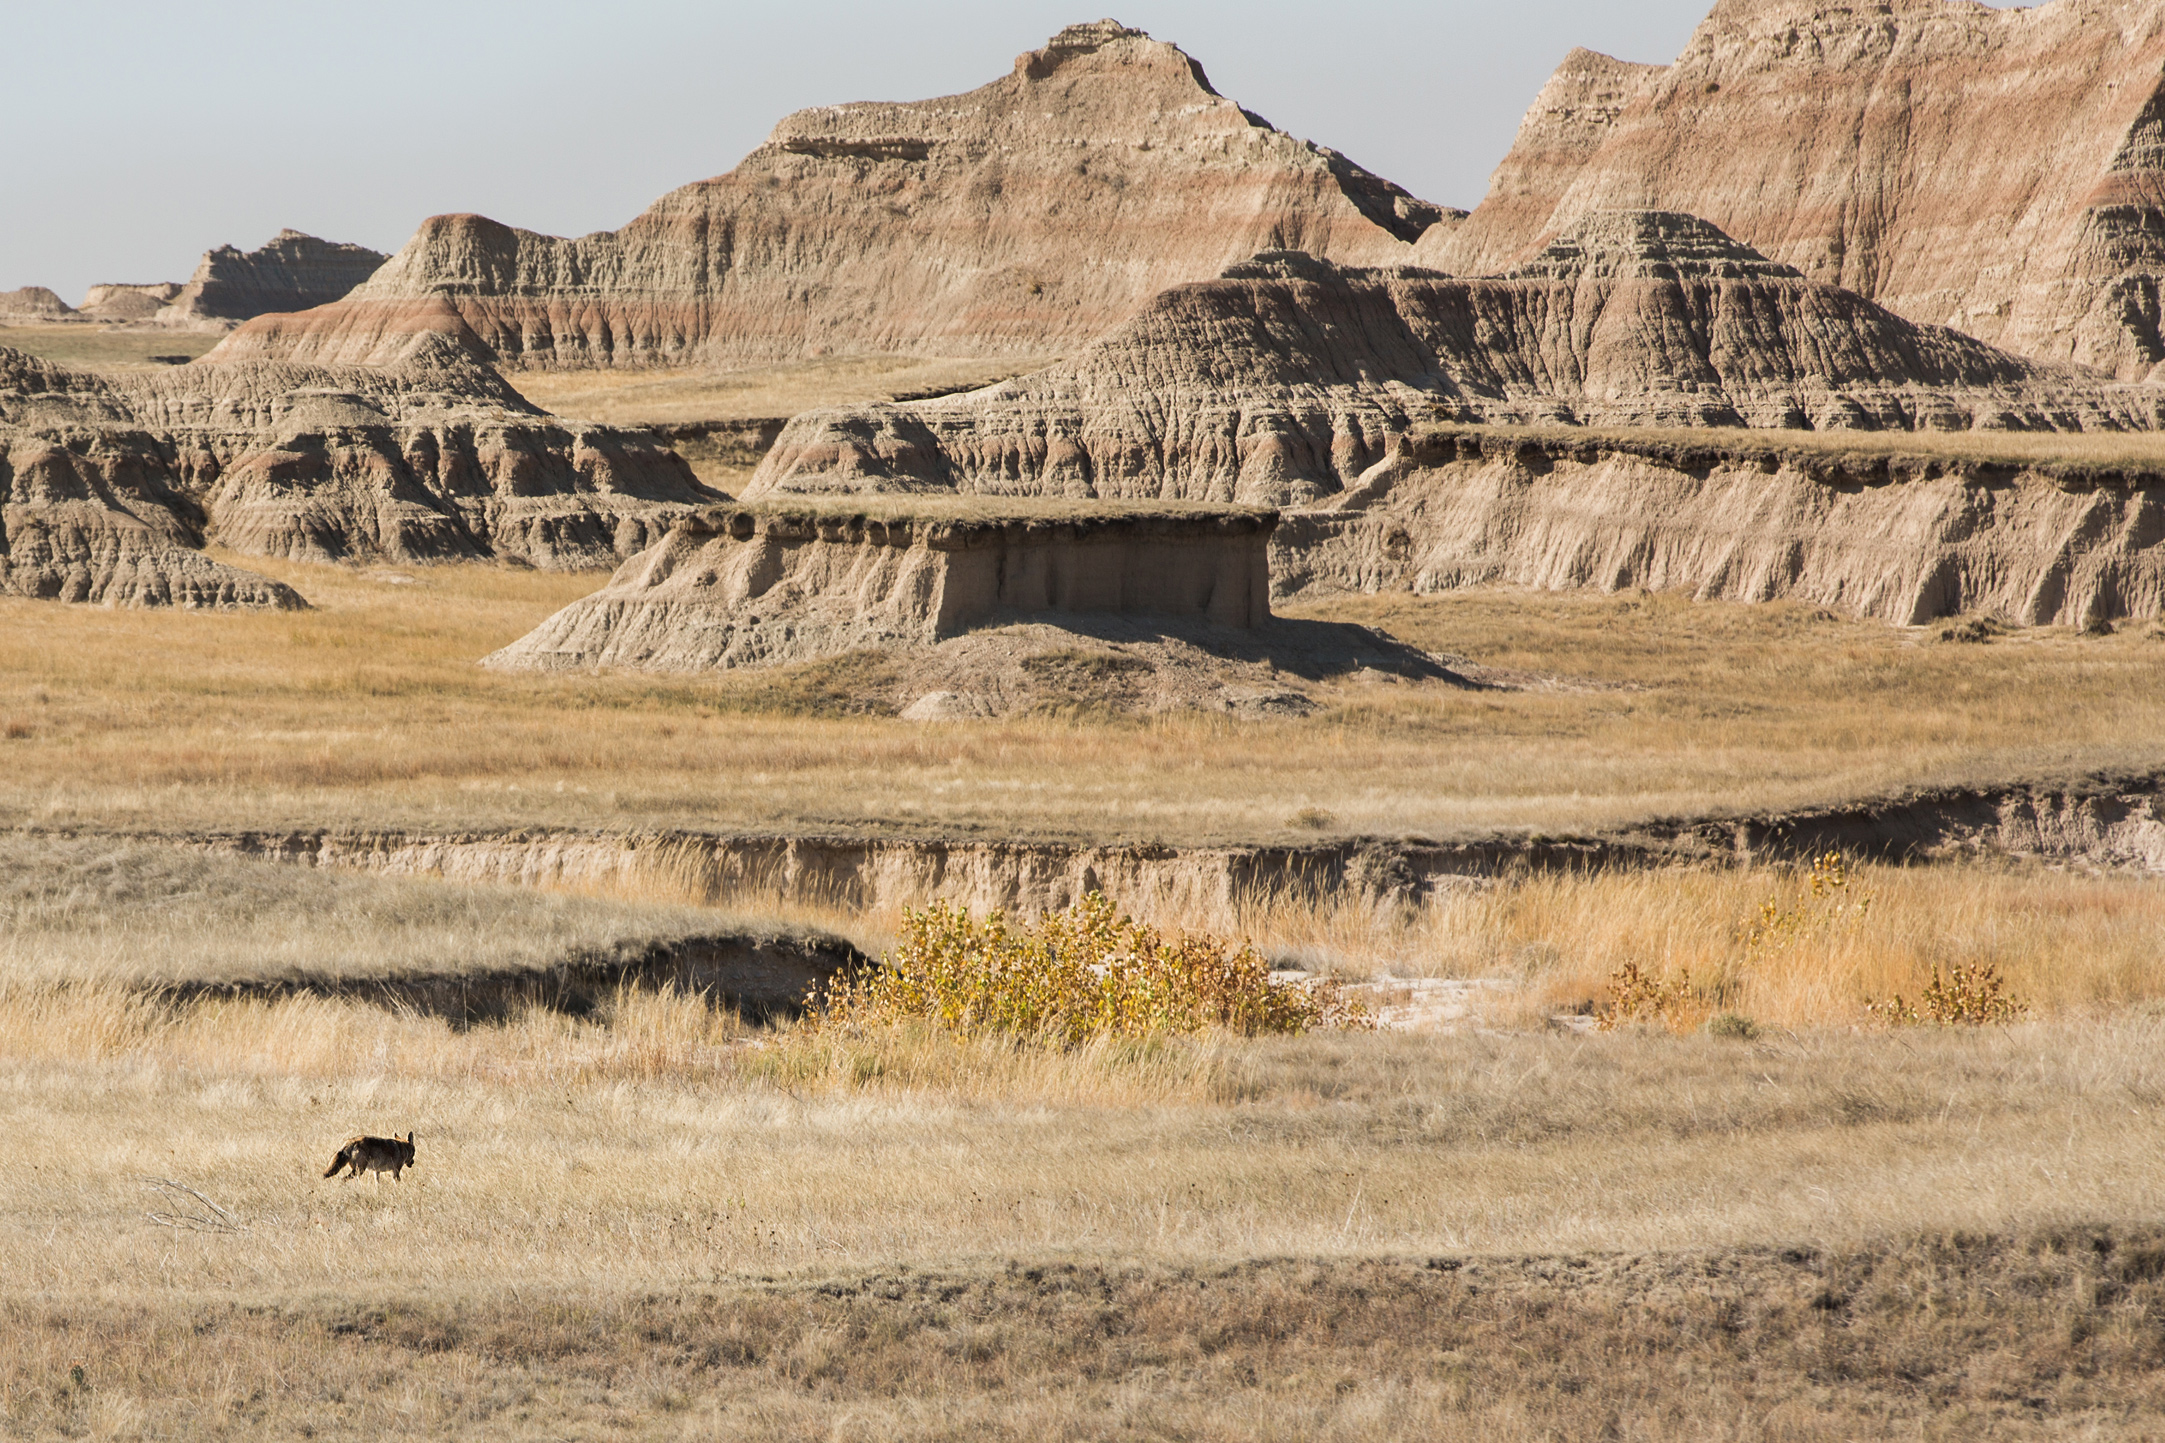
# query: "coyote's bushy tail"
[336,1163]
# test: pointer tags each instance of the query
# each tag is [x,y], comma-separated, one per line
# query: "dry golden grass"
[678,395]
[2141,449]
[92,347]
[656,1150]
[369,711]
[645,1226]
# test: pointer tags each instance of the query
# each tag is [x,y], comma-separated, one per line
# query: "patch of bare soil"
[1135,666]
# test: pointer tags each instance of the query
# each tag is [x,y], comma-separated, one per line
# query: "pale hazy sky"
[139,133]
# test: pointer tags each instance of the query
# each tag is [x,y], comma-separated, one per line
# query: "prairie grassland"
[369,711]
[2064,944]
[646,1225]
[676,395]
[89,347]
[97,909]
[2143,449]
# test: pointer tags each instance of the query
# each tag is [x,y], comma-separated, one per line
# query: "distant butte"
[1024,217]
[289,272]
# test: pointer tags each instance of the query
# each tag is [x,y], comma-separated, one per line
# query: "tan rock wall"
[1907,543]
[749,587]
[1998,170]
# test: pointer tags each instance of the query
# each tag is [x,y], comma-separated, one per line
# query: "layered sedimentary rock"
[1906,538]
[32,303]
[432,459]
[1024,217]
[289,272]
[1282,381]
[112,481]
[90,508]
[760,585]
[2001,171]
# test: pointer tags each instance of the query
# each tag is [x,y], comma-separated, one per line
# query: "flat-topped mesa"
[1021,218]
[763,585]
[128,301]
[1283,380]
[115,480]
[2001,171]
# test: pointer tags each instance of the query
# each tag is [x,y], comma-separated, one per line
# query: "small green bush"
[1089,971]
[1734,1025]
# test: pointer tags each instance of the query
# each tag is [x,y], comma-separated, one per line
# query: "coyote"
[374,1154]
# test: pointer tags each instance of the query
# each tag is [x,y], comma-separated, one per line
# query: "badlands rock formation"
[761,585]
[90,509]
[111,481]
[290,272]
[32,304]
[433,459]
[1024,217]
[2001,171]
[1906,538]
[1284,380]
[128,303]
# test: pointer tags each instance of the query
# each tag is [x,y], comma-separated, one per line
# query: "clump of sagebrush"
[1968,996]
[1071,976]
[1824,907]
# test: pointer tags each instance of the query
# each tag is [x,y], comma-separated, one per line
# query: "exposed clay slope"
[1997,170]
[90,509]
[1903,538]
[1283,380]
[113,482]
[753,586]
[1024,217]
[433,459]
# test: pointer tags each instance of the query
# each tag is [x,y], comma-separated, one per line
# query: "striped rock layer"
[1285,379]
[1021,218]
[112,482]
[2001,171]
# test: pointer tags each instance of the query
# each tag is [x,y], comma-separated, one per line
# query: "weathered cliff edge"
[2001,171]
[1282,381]
[1024,217]
[112,481]
[2103,823]
[1741,517]
[289,272]
[749,586]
